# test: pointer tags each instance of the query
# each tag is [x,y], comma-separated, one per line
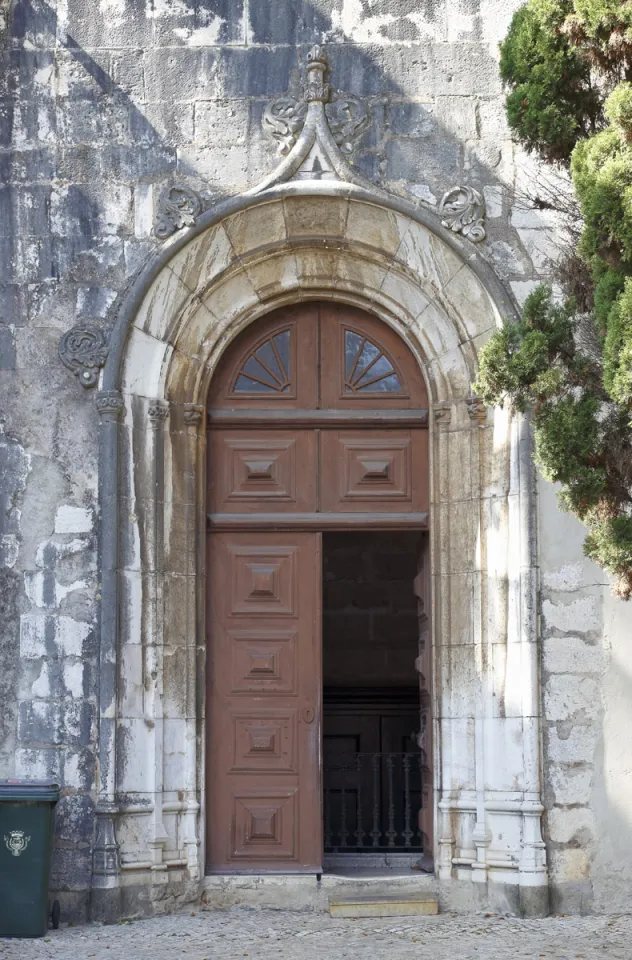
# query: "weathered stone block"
[569,783]
[416,120]
[437,163]
[578,616]
[7,349]
[571,825]
[571,655]
[570,698]
[571,743]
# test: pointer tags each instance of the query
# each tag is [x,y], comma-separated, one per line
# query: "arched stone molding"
[314,241]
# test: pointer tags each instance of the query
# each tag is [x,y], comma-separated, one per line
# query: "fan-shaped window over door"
[268,368]
[327,357]
[368,369]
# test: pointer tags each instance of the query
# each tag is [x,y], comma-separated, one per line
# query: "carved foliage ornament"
[347,117]
[462,210]
[84,351]
[178,207]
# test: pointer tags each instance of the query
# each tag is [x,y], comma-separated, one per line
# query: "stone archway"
[314,241]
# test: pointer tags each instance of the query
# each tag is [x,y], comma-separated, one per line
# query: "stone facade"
[151,207]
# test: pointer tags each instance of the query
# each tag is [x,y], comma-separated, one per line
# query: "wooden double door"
[317,421]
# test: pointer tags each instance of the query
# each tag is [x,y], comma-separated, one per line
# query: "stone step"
[420,906]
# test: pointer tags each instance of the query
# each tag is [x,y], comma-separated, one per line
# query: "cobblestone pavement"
[263,934]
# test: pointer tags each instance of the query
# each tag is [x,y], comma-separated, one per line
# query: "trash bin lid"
[12,790]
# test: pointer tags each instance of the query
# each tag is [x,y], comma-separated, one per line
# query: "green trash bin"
[27,809]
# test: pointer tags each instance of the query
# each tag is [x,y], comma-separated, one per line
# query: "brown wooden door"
[317,417]
[263,802]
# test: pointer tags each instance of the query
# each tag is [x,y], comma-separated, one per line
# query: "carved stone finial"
[477,410]
[109,403]
[285,118]
[178,207]
[193,414]
[158,412]
[317,89]
[84,351]
[462,210]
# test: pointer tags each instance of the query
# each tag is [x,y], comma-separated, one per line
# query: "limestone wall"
[587,698]
[105,103]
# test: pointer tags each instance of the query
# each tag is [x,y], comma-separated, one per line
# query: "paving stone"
[263,934]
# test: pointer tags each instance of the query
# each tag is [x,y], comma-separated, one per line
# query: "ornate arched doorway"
[318,458]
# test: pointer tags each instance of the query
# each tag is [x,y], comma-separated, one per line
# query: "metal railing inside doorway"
[371,803]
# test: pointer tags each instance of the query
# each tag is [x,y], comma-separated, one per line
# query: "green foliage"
[568,69]
[618,349]
[618,109]
[551,103]
[583,439]
[601,168]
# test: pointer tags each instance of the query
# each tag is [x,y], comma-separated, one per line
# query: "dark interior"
[372,764]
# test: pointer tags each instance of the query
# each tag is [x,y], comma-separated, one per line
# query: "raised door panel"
[368,471]
[264,695]
[262,471]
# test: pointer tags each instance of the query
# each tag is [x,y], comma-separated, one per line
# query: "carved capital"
[477,410]
[84,351]
[158,412]
[462,210]
[105,857]
[178,207]
[442,412]
[193,414]
[109,403]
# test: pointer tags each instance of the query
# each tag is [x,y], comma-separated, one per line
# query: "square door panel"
[263,662]
[263,581]
[363,472]
[255,471]
[264,741]
[264,825]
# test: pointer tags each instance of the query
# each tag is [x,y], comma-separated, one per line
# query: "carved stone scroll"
[283,120]
[178,207]
[84,351]
[348,119]
[462,210]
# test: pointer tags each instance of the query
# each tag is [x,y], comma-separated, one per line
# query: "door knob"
[308,714]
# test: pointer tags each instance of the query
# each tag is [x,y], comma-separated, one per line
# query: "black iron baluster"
[343,806]
[376,832]
[359,832]
[391,833]
[408,833]
[420,760]
[327,805]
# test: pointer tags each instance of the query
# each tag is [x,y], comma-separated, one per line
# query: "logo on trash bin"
[16,842]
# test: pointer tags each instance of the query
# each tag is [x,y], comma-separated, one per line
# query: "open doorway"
[373,762]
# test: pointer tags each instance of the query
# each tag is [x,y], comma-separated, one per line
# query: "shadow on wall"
[111,102]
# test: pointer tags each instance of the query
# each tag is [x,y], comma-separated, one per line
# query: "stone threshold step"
[358,907]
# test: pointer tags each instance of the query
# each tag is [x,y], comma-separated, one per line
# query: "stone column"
[481,835]
[153,652]
[534,899]
[105,901]
[194,420]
